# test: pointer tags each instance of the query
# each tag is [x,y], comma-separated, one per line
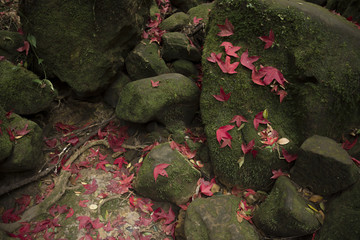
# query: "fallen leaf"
[226,30]
[226,142]
[222,133]
[22,132]
[91,187]
[289,157]
[70,213]
[282,94]
[247,61]
[278,173]
[271,74]
[246,148]
[197,20]
[160,170]
[269,40]
[230,49]
[214,57]
[347,145]
[283,141]
[259,119]
[25,48]
[82,203]
[155,84]
[222,97]
[120,161]
[238,119]
[228,67]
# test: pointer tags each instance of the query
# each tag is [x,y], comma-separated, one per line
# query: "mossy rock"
[174,100]
[175,22]
[201,11]
[347,8]
[113,92]
[323,85]
[26,150]
[342,216]
[177,187]
[285,213]
[185,5]
[185,68]
[9,42]
[87,53]
[144,61]
[215,218]
[6,145]
[23,91]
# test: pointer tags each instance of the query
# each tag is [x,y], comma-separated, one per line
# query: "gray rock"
[177,46]
[324,166]
[285,213]
[113,92]
[185,68]
[342,216]
[215,218]
[182,178]
[175,22]
[144,61]
[175,99]
[87,53]
[23,91]
[319,100]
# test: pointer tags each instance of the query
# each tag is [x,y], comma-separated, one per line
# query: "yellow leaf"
[316,198]
[312,208]
[265,114]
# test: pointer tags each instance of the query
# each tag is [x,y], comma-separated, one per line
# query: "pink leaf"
[102,165]
[282,94]
[272,74]
[160,169]
[226,142]
[70,213]
[23,131]
[226,30]
[222,97]
[347,145]
[246,148]
[84,220]
[25,48]
[214,57]
[155,84]
[269,40]
[278,173]
[120,161]
[222,133]
[230,49]
[247,61]
[238,119]
[228,67]
[197,20]
[289,157]
[91,188]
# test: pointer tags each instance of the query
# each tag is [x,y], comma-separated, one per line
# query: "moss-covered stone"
[324,166]
[22,91]
[144,61]
[347,8]
[342,216]
[285,213]
[5,144]
[319,99]
[175,22]
[180,184]
[9,42]
[215,218]
[185,68]
[88,52]
[175,100]
[201,11]
[26,150]
[113,92]
[185,5]
[177,46]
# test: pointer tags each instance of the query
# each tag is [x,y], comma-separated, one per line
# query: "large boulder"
[347,8]
[322,93]
[9,42]
[215,218]
[179,184]
[324,166]
[84,43]
[175,99]
[22,91]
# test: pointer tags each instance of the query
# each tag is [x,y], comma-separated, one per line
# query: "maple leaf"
[214,57]
[154,84]
[70,213]
[102,157]
[82,203]
[120,161]
[247,61]
[25,48]
[96,224]
[278,173]
[22,132]
[238,119]
[91,187]
[230,49]
[160,213]
[8,216]
[11,135]
[222,133]
[102,165]
[226,30]
[160,169]
[269,40]
[246,148]
[282,94]
[347,145]
[93,153]
[271,74]
[51,143]
[83,221]
[259,119]
[228,67]
[289,157]
[226,142]
[73,141]
[222,97]
[108,227]
[205,188]
[116,142]
[197,20]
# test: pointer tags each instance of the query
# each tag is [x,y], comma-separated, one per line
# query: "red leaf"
[116,142]
[238,119]
[96,224]
[91,187]
[247,148]
[230,49]
[120,161]
[11,135]
[247,61]
[249,192]
[160,169]
[70,213]
[51,143]
[357,162]
[82,203]
[278,173]
[222,97]
[108,227]
[226,142]
[102,166]
[272,74]
[84,220]
[197,20]
[226,30]
[269,40]
[8,114]
[9,217]
[73,141]
[154,84]
[222,133]
[160,213]
[205,188]
[214,57]
[282,94]
[289,157]
[259,119]
[23,131]
[25,48]
[228,67]
[347,145]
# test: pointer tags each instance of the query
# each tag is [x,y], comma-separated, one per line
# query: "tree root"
[55,195]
